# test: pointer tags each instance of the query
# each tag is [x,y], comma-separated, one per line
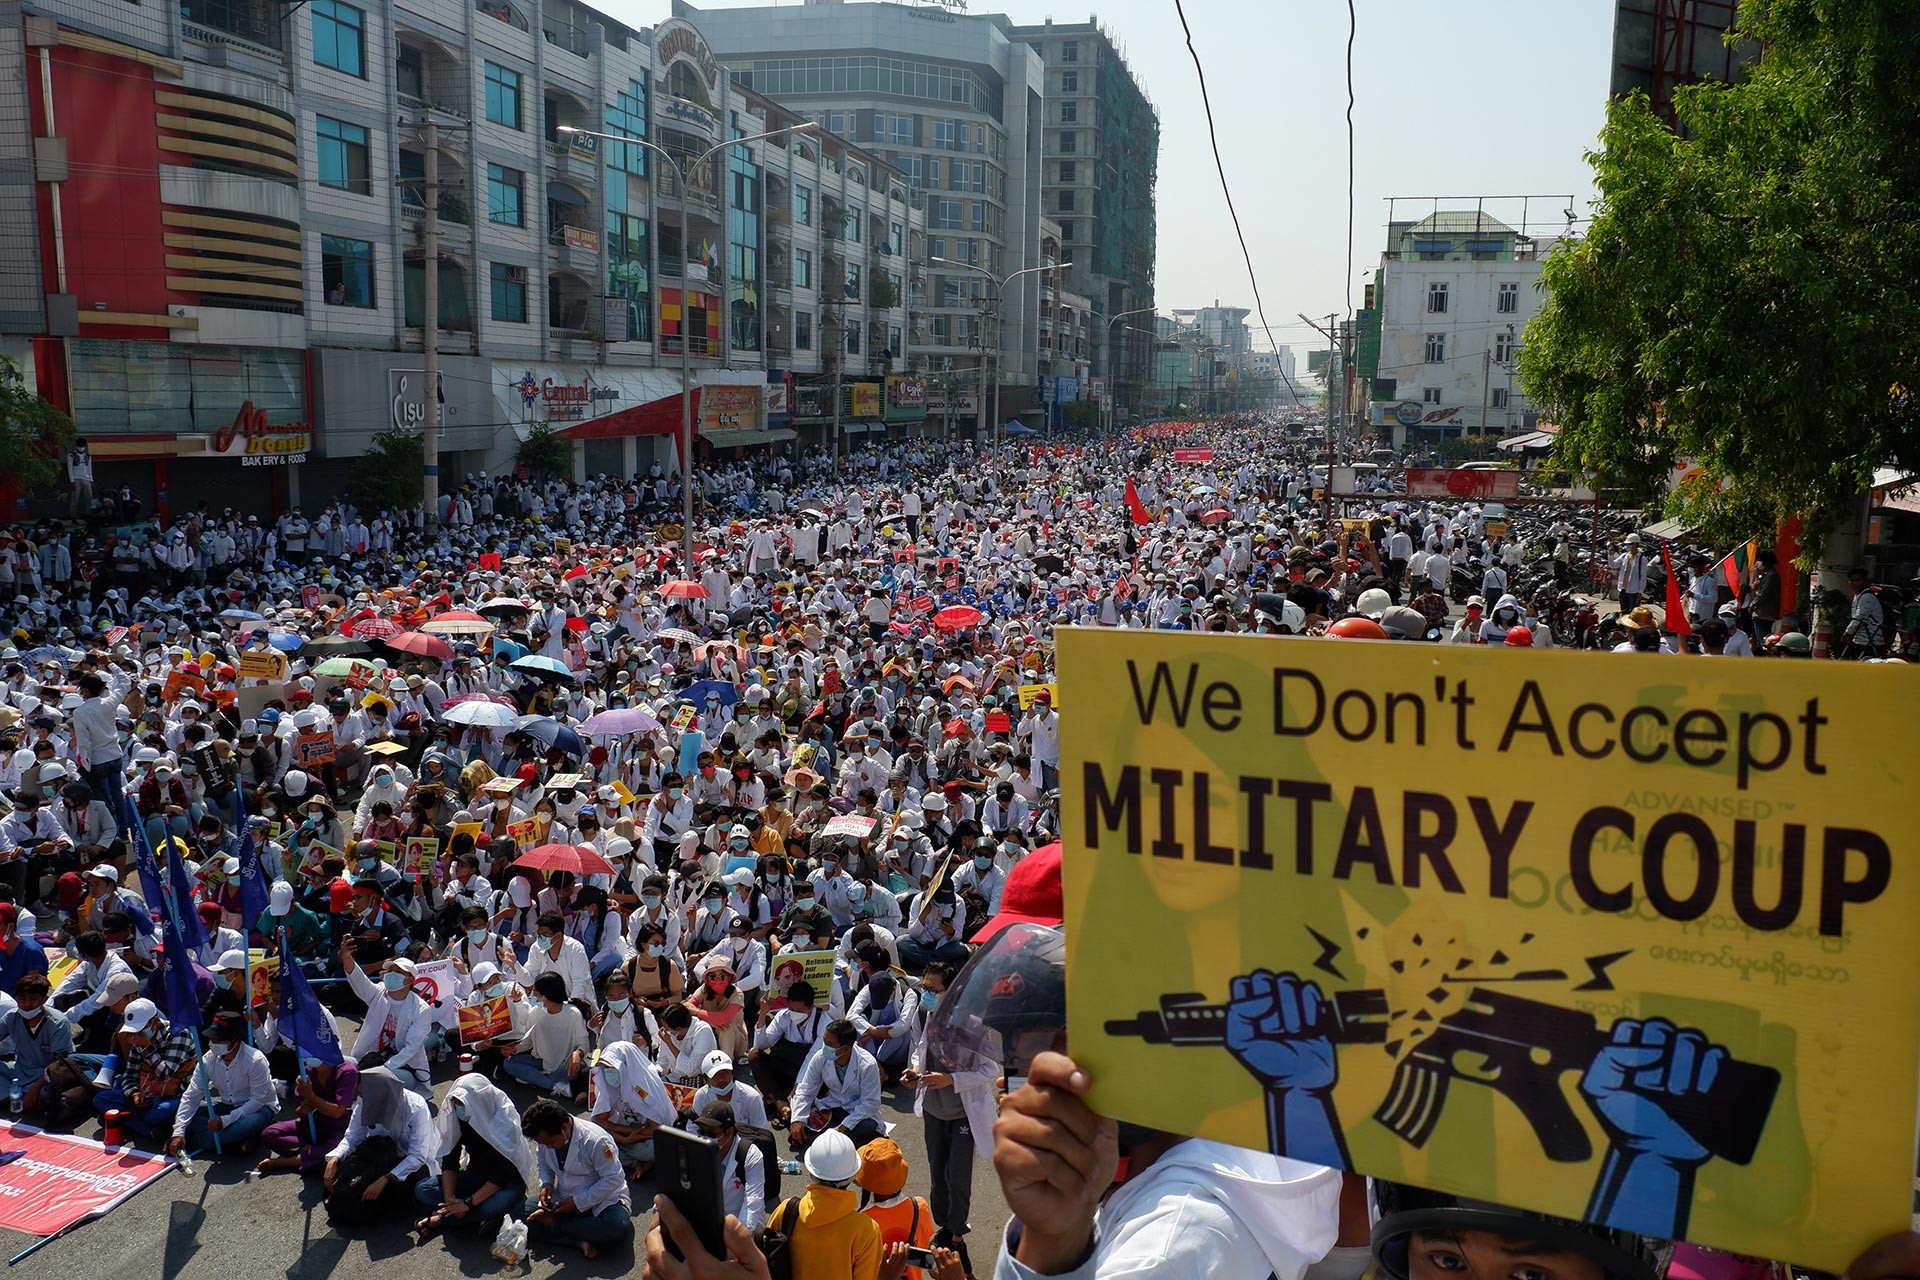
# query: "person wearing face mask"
[669,815]
[323,1101]
[718,1002]
[394,1032]
[804,914]
[709,927]
[956,1107]
[553,1053]
[620,1020]
[20,953]
[515,915]
[553,951]
[830,882]
[630,1103]
[476,944]
[783,1043]
[383,783]
[1005,813]
[982,874]
[485,1165]
[745,898]
[933,933]
[489,983]
[653,971]
[652,908]
[388,1142]
[1504,617]
[1040,730]
[682,1044]
[838,1089]
[38,1034]
[749,1105]
[883,1014]
[155,1060]
[242,1099]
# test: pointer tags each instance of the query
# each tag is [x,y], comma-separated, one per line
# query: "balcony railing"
[563,35]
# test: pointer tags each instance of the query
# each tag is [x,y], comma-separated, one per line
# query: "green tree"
[33,434]
[545,454]
[390,474]
[1745,295]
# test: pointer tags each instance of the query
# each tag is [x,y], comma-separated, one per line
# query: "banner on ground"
[60,1180]
[1606,939]
[815,968]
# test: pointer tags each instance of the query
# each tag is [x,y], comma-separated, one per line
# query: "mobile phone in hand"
[921,1258]
[687,1172]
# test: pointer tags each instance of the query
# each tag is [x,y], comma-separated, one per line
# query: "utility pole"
[430,333]
[839,358]
[1486,379]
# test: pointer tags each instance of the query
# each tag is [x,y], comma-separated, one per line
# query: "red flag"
[1136,508]
[1676,606]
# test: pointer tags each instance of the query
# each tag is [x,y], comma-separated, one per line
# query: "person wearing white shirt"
[983,876]
[584,1201]
[839,1087]
[746,958]
[385,1108]
[682,1045]
[230,1099]
[397,1023]
[883,1014]
[743,1165]
[630,1103]
[749,1106]
[1041,729]
[553,951]
[957,1109]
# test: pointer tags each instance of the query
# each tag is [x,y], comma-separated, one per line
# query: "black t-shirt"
[483,1161]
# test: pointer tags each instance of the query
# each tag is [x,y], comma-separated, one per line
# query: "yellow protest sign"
[1028,692]
[263,664]
[815,968]
[1604,937]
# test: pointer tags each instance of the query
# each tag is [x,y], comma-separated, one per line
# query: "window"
[1066,228]
[346,271]
[503,196]
[626,115]
[853,225]
[509,293]
[897,237]
[803,331]
[1066,171]
[803,268]
[503,96]
[893,340]
[950,215]
[1430,395]
[853,281]
[1436,348]
[340,37]
[936,248]
[343,155]
[1499,397]
[853,339]
[1503,345]
[1070,51]
[1070,82]
[1066,202]
[976,216]
[803,205]
[1509,298]
[1437,298]
[942,135]
[1069,112]
[1069,143]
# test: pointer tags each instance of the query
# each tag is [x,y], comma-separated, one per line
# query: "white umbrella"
[677,635]
[490,715]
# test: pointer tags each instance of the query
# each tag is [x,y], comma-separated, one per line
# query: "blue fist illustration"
[1274,1029]
[1643,1067]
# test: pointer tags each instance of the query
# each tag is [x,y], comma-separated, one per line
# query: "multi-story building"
[1099,161]
[230,263]
[953,100]
[1454,294]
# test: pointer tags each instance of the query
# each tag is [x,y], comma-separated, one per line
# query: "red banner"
[62,1180]
[1439,482]
[1193,455]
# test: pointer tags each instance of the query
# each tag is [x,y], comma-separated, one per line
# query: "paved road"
[219,1226]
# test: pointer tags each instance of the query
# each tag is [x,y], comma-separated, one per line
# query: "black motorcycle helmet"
[1403,1210]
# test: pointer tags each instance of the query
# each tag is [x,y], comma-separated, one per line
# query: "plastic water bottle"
[790,1166]
[16,1099]
[184,1163]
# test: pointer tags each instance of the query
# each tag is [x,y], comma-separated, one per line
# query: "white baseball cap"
[280,898]
[139,1015]
[715,1062]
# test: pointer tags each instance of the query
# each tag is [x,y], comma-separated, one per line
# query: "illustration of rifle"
[1516,1046]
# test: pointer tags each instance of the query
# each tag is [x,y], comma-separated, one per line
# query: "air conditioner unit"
[516,275]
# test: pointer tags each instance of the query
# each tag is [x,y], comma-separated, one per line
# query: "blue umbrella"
[242,615]
[698,693]
[285,641]
[553,734]
[542,664]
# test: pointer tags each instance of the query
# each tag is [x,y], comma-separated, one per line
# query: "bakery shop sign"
[259,443]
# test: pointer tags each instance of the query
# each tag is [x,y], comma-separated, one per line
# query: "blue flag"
[253,877]
[177,990]
[186,917]
[302,1020]
[145,863]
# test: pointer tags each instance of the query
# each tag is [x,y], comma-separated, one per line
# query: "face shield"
[1007,1005]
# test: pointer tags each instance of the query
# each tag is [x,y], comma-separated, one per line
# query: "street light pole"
[999,296]
[686,349]
[1107,406]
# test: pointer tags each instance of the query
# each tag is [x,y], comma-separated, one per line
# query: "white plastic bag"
[510,1246]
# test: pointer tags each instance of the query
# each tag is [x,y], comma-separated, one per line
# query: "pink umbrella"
[619,720]
[565,857]
[457,622]
[376,628]
[421,645]
[683,590]
[1214,516]
[459,699]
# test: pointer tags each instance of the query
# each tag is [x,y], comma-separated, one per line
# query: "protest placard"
[683,717]
[815,968]
[850,824]
[313,748]
[1600,938]
[524,833]
[436,982]
[179,683]
[263,664]
[1028,692]
[484,1020]
[421,851]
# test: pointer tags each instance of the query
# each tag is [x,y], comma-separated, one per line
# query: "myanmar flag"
[1737,568]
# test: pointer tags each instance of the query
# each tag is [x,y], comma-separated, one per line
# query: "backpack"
[774,1237]
[749,1135]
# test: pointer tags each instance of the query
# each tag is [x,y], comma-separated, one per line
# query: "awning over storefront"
[1527,440]
[856,428]
[1668,530]
[655,418]
[745,437]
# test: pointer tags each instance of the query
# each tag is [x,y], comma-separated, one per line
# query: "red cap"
[209,911]
[70,889]
[1044,696]
[1032,894]
[8,913]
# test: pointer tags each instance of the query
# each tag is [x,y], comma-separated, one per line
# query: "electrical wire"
[1226,190]
[1353,28]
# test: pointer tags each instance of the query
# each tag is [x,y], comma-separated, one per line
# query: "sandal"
[429,1227]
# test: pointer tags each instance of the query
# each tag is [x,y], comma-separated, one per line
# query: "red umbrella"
[1214,516]
[421,645]
[683,590]
[565,857]
[954,617]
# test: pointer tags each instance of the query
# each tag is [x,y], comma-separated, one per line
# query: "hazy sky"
[1460,98]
